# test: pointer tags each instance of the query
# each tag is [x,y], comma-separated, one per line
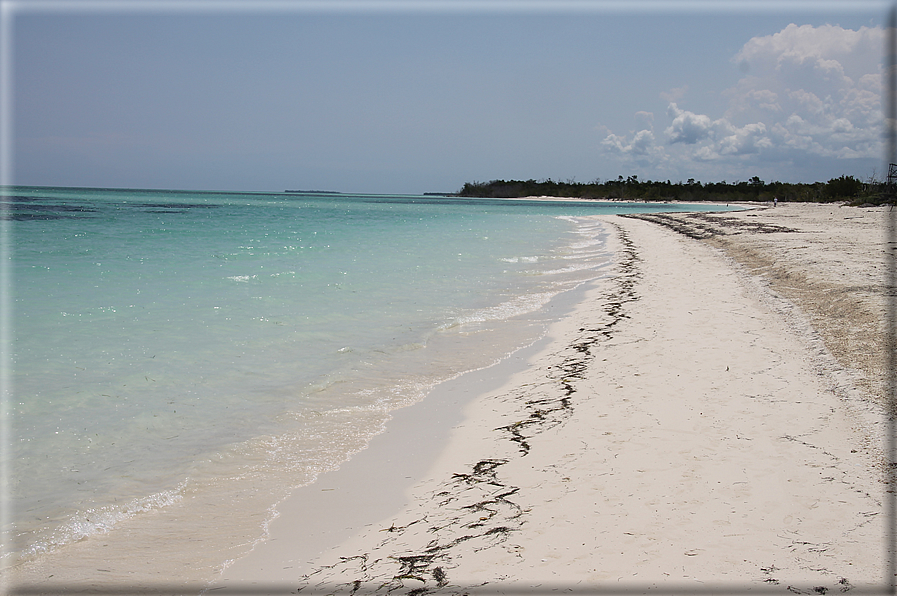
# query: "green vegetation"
[845,188]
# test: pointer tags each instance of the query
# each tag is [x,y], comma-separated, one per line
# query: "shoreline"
[190,540]
[295,543]
[376,481]
[612,460]
[693,421]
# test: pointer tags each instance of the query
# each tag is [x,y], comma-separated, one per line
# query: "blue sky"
[415,97]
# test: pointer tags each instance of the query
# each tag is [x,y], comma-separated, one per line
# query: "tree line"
[844,188]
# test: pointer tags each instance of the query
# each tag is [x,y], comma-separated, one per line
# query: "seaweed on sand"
[478,508]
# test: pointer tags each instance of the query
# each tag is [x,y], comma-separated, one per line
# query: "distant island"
[313,192]
[844,188]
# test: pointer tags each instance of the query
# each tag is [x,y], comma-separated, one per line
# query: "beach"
[708,418]
[704,416]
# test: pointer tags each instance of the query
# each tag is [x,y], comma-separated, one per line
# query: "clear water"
[171,343]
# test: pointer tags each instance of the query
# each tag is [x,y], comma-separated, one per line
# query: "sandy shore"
[707,420]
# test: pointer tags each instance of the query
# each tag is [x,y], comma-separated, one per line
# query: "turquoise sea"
[170,346]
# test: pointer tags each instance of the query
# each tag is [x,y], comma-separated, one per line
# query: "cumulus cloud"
[750,138]
[827,76]
[828,52]
[806,92]
[641,144]
[688,127]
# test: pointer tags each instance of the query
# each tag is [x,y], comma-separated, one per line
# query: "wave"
[516,306]
[101,520]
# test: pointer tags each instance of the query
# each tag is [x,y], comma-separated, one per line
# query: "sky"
[411,97]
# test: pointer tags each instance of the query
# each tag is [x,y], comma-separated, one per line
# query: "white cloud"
[642,143]
[687,127]
[829,51]
[640,147]
[842,125]
[706,154]
[809,102]
[828,76]
[807,93]
[751,138]
[763,100]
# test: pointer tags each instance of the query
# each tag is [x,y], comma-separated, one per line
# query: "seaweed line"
[477,507]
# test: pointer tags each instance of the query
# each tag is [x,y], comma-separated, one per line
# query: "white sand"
[685,428]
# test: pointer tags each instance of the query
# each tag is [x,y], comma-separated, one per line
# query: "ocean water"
[172,347]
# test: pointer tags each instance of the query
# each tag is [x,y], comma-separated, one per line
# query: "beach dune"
[696,423]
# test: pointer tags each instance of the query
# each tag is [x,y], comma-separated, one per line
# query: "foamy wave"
[390,397]
[511,308]
[594,254]
[587,243]
[242,278]
[568,269]
[103,519]
[520,259]
[589,229]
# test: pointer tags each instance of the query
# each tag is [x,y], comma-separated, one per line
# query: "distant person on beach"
[775,201]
